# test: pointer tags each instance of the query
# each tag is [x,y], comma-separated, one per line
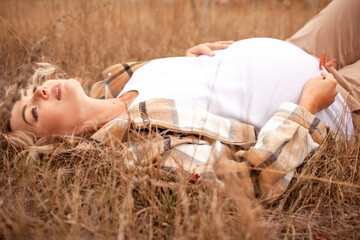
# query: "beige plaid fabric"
[115,78]
[182,137]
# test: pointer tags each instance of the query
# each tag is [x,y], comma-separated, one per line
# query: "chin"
[73,81]
[75,85]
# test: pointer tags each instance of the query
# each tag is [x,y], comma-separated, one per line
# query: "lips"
[56,91]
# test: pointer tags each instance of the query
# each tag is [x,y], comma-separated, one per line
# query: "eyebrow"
[23,115]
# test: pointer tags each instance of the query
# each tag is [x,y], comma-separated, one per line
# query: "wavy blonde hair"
[44,72]
[20,139]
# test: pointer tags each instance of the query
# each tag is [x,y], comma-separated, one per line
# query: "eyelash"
[34,89]
[34,113]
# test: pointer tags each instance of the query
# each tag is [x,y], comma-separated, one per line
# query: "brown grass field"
[51,190]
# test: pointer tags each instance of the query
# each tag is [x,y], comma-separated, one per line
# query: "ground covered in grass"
[53,189]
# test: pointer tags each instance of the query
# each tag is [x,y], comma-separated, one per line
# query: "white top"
[246,82]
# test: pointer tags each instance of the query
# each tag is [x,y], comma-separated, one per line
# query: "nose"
[42,92]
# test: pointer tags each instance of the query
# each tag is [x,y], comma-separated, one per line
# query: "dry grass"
[91,193]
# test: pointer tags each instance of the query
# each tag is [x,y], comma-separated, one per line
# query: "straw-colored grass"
[57,191]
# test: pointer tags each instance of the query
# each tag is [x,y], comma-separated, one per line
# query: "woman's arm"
[286,139]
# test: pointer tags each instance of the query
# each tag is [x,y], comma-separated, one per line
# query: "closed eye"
[34,89]
[34,113]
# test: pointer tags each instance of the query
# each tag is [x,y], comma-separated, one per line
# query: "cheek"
[51,120]
[63,116]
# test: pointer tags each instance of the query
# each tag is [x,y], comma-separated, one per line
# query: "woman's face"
[50,109]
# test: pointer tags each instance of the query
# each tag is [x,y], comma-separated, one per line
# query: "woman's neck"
[98,112]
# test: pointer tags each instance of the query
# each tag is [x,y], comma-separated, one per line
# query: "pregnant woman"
[247,83]
[253,102]
[244,96]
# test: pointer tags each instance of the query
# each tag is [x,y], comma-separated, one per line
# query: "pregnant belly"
[268,72]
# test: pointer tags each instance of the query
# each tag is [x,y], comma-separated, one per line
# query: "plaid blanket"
[182,136]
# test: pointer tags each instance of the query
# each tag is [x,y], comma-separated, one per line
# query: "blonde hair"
[27,141]
[20,139]
[44,72]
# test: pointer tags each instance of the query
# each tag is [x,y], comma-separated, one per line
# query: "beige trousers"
[336,30]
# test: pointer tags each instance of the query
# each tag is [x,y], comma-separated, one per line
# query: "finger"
[323,75]
[189,54]
[219,45]
[204,49]
[330,81]
[226,42]
[216,46]
[327,75]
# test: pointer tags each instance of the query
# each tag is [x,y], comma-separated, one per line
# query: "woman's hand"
[207,48]
[319,93]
